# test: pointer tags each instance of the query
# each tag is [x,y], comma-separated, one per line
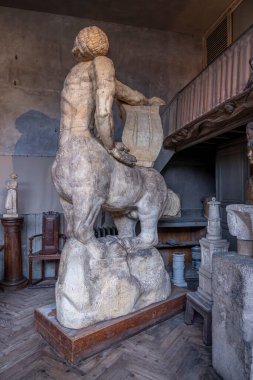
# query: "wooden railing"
[222,80]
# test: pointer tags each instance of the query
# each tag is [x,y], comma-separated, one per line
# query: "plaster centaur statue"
[91,172]
[110,277]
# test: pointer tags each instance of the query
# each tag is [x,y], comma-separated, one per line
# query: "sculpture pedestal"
[13,277]
[75,345]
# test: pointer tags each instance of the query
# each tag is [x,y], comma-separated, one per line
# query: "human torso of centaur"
[77,102]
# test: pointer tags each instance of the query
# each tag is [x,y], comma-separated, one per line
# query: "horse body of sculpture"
[94,179]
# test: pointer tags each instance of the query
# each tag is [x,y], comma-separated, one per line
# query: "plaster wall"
[36,56]
[242,18]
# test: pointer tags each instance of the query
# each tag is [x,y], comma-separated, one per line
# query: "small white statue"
[11,199]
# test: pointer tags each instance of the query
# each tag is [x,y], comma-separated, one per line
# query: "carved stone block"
[240,224]
[232,315]
[208,249]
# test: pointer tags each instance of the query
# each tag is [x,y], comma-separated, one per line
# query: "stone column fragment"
[240,217]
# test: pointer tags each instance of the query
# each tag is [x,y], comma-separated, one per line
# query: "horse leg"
[125,225]
[86,207]
[148,236]
[148,233]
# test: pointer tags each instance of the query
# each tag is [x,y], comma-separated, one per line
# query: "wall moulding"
[214,123]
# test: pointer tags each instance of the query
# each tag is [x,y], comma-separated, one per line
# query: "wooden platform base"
[75,345]
[195,302]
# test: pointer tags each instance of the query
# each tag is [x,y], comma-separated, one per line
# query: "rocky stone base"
[101,281]
[232,316]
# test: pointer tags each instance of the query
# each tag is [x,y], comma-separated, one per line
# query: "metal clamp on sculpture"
[111,277]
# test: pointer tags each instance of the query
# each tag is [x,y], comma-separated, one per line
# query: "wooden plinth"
[75,345]
[13,276]
[195,302]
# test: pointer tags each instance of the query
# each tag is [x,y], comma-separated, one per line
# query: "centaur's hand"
[120,146]
[122,156]
[155,101]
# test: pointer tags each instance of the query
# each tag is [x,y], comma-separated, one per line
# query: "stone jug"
[178,269]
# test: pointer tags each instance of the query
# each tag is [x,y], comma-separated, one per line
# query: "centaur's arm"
[126,95]
[104,86]
[132,97]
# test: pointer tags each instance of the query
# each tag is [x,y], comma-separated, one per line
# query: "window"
[230,25]
[217,41]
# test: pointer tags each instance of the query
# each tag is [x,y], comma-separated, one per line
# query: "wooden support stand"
[75,345]
[196,303]
[13,277]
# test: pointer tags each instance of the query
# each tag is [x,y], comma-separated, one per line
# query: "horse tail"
[172,205]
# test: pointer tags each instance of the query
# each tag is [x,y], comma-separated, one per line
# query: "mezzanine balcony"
[214,102]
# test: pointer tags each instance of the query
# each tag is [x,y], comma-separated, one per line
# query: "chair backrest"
[50,232]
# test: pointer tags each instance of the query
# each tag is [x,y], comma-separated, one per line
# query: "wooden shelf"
[189,218]
[178,245]
[181,223]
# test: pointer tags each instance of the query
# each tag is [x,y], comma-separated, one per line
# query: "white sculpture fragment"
[11,199]
[240,224]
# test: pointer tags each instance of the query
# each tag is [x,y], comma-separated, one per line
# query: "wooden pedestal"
[13,277]
[196,303]
[75,345]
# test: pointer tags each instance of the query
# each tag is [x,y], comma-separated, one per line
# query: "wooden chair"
[49,248]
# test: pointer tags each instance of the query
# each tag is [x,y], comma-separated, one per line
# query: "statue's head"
[13,176]
[90,42]
[229,107]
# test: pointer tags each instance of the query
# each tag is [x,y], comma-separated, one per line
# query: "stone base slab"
[75,345]
[10,216]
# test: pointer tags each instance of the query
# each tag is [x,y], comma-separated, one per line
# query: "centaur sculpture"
[91,172]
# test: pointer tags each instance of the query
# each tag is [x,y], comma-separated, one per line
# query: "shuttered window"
[217,40]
